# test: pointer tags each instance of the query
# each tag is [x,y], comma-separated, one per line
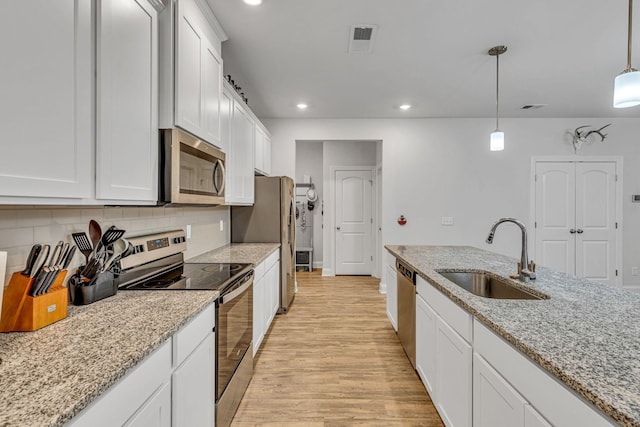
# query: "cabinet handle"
[579,231]
[572,231]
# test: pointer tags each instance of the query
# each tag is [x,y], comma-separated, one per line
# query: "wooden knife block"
[22,312]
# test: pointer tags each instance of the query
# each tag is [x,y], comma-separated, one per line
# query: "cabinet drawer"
[554,400]
[192,334]
[272,259]
[450,312]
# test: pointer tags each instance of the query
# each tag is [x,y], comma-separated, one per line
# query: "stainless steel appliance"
[158,264]
[407,310]
[191,170]
[271,219]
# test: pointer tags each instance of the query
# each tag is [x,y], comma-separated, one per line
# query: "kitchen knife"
[40,260]
[48,271]
[69,257]
[33,255]
[40,279]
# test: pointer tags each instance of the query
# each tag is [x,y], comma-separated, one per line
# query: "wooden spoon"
[95,232]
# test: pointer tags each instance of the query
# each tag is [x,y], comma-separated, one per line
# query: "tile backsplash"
[21,227]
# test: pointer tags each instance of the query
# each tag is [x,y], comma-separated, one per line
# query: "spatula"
[84,245]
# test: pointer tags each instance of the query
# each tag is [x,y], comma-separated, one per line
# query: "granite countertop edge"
[548,365]
[251,253]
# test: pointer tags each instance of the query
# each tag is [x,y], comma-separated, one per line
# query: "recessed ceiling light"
[405,107]
[302,106]
[253,2]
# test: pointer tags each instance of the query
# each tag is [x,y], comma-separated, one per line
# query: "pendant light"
[626,92]
[497,137]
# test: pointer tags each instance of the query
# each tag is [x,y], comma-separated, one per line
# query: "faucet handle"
[532,266]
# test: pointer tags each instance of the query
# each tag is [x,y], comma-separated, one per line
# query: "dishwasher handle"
[406,271]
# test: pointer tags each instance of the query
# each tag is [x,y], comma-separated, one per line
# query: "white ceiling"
[429,53]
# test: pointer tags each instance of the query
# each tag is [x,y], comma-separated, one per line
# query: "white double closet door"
[575,218]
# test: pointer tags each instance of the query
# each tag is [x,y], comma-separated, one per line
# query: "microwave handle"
[219,166]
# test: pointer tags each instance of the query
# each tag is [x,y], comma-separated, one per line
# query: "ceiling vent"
[361,38]
[532,106]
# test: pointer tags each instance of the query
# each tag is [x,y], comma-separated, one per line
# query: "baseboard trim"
[327,272]
[383,288]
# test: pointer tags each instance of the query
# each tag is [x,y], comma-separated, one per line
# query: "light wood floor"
[334,360]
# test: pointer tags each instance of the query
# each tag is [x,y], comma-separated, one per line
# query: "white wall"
[309,162]
[443,167]
[22,227]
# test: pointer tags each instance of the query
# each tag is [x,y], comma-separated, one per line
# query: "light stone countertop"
[48,376]
[252,253]
[587,334]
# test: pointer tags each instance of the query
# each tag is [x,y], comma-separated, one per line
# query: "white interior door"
[354,222]
[575,216]
[596,221]
[555,216]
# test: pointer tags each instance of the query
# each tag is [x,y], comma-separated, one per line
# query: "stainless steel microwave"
[192,172]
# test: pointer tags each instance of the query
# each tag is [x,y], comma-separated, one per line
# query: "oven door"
[235,330]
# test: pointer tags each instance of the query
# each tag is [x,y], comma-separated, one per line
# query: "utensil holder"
[22,312]
[100,287]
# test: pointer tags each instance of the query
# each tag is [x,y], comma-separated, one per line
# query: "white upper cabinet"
[191,70]
[127,101]
[239,128]
[263,152]
[47,106]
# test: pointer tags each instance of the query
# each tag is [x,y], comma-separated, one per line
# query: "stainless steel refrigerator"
[271,219]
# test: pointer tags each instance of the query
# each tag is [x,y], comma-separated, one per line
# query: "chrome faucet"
[524,271]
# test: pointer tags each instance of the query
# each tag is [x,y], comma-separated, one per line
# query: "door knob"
[338,228]
[579,231]
[572,231]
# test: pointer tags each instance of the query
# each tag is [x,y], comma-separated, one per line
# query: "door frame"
[577,159]
[332,221]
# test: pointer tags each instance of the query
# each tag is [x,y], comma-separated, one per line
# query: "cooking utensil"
[33,255]
[82,240]
[120,246]
[95,232]
[110,236]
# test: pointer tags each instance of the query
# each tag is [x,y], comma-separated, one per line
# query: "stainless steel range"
[158,264]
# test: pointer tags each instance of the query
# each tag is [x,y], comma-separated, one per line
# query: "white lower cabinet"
[156,412]
[193,386]
[266,297]
[532,418]
[453,376]
[174,386]
[390,279]
[426,320]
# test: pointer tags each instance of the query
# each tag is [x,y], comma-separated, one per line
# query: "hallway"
[334,360]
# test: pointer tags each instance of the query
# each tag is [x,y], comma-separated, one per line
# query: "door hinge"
[371,257]
[616,225]
[616,272]
[371,220]
[535,178]
[616,177]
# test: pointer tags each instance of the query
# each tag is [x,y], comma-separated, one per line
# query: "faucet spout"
[524,273]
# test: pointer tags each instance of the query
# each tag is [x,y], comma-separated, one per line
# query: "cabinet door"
[156,412]
[226,114]
[392,295]
[127,105]
[267,155]
[46,112]
[532,418]
[240,159]
[453,376]
[259,150]
[193,387]
[258,314]
[495,402]
[426,345]
[275,289]
[198,76]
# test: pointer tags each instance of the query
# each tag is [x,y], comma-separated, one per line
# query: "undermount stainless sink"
[488,285]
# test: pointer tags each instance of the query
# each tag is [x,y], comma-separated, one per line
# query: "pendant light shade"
[497,137]
[626,92]
[497,141]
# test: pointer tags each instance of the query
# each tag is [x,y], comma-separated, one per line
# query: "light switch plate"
[221,225]
[447,220]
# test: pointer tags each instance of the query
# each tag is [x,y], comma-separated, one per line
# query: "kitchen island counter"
[586,334]
[50,375]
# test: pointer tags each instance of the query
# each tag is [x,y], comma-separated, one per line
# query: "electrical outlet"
[634,271]
[221,225]
[447,220]
[188,231]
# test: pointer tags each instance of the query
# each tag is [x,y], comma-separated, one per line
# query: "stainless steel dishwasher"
[407,310]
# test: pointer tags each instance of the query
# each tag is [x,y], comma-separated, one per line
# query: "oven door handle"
[236,292]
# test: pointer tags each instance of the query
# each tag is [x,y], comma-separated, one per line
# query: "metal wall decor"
[237,88]
[581,136]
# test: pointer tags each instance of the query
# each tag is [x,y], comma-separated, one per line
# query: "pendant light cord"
[497,87]
[629,69]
